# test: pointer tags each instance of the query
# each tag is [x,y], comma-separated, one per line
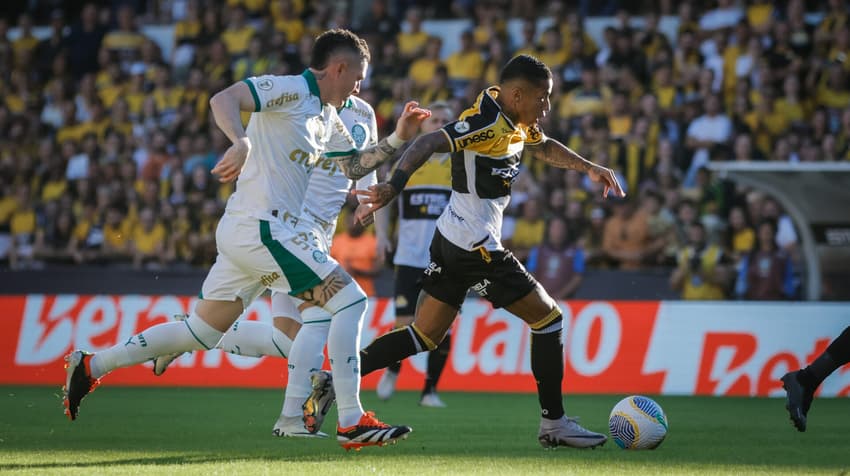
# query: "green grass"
[228,431]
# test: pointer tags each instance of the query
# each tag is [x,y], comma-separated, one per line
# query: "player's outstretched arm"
[379,195]
[356,164]
[558,155]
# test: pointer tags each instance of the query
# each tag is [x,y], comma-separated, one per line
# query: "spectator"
[125,40]
[626,235]
[422,69]
[741,236]
[557,263]
[117,232]
[702,271]
[148,241]
[85,38]
[465,65]
[238,34]
[411,43]
[710,130]
[22,227]
[766,272]
[52,240]
[529,230]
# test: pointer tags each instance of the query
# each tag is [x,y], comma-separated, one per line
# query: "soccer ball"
[637,423]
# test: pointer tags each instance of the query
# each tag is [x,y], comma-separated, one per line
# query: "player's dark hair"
[525,67]
[337,41]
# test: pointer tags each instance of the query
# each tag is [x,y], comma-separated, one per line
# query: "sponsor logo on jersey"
[265,84]
[358,133]
[282,99]
[430,203]
[269,278]
[361,112]
[476,138]
[508,173]
[461,126]
[303,158]
[481,287]
[319,257]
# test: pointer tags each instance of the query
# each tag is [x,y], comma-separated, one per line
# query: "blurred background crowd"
[106,143]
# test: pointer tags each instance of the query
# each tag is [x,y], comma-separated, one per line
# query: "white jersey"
[289,130]
[422,201]
[328,186]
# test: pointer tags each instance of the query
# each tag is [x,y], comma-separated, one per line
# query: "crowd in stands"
[106,145]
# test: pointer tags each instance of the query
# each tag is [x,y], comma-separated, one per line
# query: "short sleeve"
[476,129]
[275,93]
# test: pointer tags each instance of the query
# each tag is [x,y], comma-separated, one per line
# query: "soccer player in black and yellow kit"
[420,204]
[487,143]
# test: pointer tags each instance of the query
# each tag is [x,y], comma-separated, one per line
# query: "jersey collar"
[493,92]
[311,83]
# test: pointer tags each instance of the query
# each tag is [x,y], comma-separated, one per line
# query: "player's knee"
[551,322]
[204,334]
[350,297]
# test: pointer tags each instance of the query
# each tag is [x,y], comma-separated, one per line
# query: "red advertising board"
[610,347]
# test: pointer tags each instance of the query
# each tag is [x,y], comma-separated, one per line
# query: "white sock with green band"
[161,339]
[306,357]
[255,339]
[347,307]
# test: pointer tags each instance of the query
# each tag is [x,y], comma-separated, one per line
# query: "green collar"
[348,103]
[311,83]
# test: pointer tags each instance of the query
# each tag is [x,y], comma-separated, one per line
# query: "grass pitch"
[228,431]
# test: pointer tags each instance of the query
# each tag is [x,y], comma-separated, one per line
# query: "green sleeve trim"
[253,94]
[340,154]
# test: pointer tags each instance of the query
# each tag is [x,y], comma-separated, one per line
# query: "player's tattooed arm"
[558,155]
[356,164]
[379,195]
[324,291]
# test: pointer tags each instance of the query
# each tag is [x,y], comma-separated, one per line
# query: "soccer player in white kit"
[300,329]
[294,123]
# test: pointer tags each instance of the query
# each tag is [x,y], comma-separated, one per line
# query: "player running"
[300,330]
[487,143]
[800,385]
[420,204]
[294,123]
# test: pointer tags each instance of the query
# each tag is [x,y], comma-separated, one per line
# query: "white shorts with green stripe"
[258,254]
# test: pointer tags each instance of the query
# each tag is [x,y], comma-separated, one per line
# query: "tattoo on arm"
[361,163]
[421,150]
[556,154]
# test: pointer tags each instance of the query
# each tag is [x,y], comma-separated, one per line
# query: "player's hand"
[606,177]
[230,165]
[377,197]
[364,214]
[411,117]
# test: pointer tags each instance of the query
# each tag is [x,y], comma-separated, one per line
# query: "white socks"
[305,358]
[255,339]
[161,339]
[347,307]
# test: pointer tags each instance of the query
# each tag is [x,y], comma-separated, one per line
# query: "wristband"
[399,180]
[395,141]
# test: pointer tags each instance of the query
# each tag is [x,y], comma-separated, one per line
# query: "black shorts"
[502,279]
[408,283]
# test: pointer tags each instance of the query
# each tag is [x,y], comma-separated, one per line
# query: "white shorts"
[283,304]
[256,253]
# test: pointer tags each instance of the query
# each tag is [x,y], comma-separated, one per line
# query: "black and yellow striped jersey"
[486,149]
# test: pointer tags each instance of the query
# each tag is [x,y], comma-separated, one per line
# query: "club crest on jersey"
[461,126]
[358,133]
[265,84]
[319,257]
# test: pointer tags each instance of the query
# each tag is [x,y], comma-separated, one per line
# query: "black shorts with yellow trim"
[496,276]
[408,283]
